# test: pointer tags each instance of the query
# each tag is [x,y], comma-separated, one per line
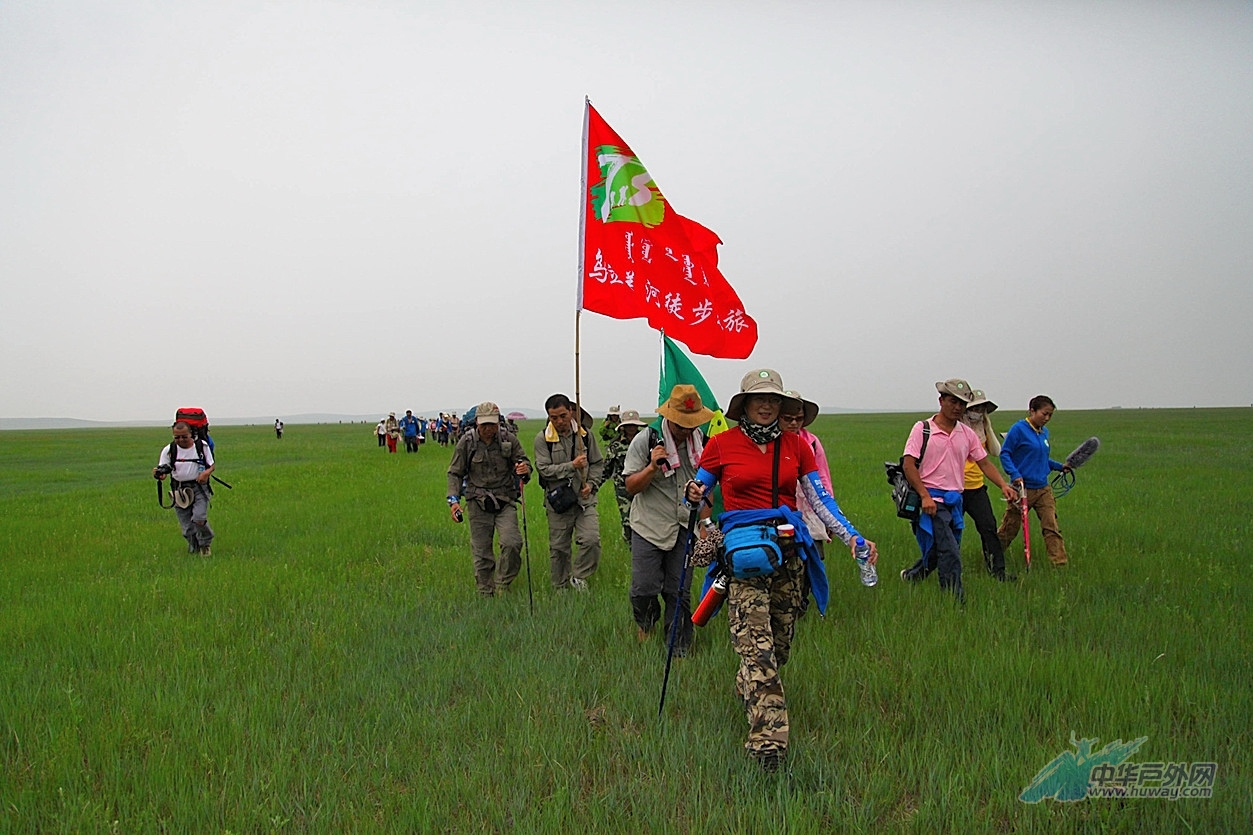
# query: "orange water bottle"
[710,602]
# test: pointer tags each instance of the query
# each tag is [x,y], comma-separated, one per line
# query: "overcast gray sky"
[273,208]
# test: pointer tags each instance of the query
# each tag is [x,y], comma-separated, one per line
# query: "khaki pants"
[583,526]
[489,575]
[1041,499]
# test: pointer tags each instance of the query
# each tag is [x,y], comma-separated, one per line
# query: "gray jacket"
[552,461]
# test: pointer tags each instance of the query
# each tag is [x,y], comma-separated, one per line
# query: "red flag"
[642,259]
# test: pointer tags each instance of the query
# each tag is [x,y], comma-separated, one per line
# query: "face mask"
[974,417]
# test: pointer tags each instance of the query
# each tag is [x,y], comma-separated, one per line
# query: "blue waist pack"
[752,551]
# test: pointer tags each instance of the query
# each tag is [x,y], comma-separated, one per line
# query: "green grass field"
[330,668]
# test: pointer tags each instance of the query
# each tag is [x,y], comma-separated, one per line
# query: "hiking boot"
[206,552]
[192,547]
[643,635]
[1002,577]
[579,584]
[770,761]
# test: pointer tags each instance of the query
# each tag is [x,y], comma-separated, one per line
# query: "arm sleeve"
[457,470]
[706,478]
[1007,454]
[637,455]
[544,462]
[825,506]
[595,463]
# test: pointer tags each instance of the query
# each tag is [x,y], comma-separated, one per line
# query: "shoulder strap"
[926,436]
[774,473]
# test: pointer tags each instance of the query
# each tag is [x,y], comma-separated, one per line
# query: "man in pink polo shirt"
[937,472]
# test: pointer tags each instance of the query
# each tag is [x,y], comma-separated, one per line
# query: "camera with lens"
[163,469]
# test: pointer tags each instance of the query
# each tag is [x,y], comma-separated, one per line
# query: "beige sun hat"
[811,408]
[980,399]
[955,386]
[631,418]
[684,407]
[486,412]
[759,381]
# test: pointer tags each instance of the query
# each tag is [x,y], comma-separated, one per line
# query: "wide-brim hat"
[981,399]
[811,408]
[957,387]
[684,408]
[614,411]
[631,418]
[759,381]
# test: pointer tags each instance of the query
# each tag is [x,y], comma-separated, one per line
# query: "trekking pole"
[1026,528]
[678,599]
[526,544]
[221,482]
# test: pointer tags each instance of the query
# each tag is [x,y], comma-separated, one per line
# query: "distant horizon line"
[311,418]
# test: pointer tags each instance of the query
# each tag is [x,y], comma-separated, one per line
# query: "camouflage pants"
[762,612]
[624,507]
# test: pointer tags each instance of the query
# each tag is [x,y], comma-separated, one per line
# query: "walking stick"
[526,544]
[678,598]
[1026,528]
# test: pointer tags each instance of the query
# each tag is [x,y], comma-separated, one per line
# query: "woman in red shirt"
[762,610]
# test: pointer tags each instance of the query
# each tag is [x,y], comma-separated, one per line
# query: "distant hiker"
[409,427]
[934,463]
[1025,457]
[609,429]
[657,469]
[489,461]
[629,426]
[975,501]
[570,471]
[278,429]
[381,432]
[393,431]
[189,463]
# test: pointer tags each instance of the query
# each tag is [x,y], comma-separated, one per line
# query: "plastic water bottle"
[861,550]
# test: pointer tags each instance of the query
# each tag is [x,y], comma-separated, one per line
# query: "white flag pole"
[578,308]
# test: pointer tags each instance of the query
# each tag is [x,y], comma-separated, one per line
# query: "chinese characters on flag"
[642,259]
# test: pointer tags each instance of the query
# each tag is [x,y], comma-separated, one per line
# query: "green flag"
[676,368]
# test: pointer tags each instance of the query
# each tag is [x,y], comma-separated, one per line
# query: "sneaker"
[192,547]
[579,584]
[205,552]
[1004,577]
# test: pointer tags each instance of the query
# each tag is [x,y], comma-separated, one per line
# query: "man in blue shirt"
[409,426]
